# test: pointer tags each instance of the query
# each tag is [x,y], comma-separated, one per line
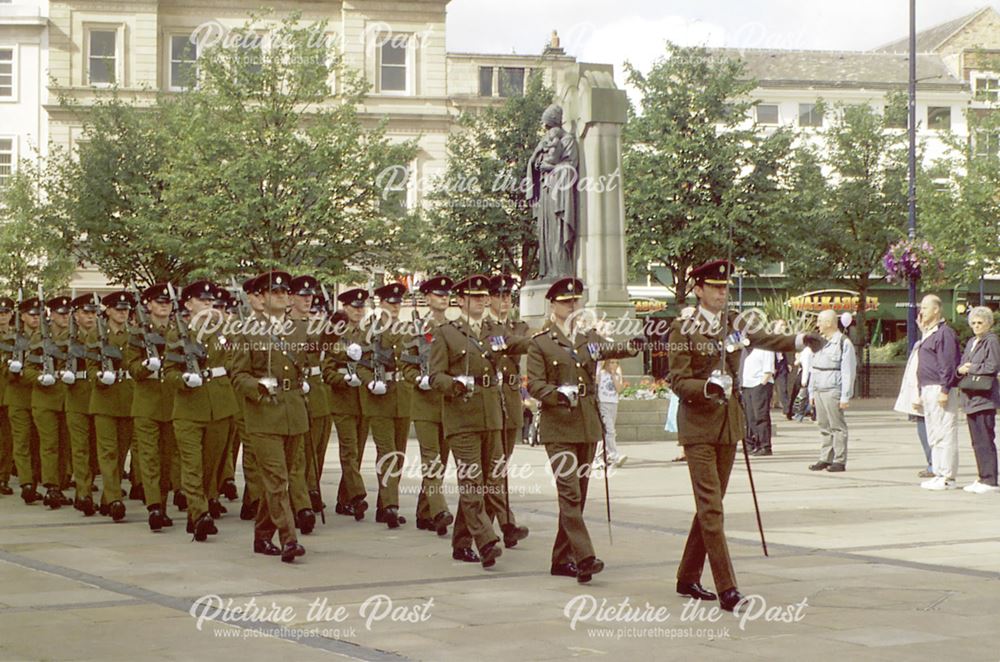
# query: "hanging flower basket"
[909,260]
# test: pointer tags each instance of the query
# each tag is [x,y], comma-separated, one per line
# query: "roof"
[841,69]
[931,39]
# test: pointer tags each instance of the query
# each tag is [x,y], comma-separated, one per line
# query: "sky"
[613,31]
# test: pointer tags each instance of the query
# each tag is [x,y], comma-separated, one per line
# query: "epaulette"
[539,333]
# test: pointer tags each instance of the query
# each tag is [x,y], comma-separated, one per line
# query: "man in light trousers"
[937,360]
[831,386]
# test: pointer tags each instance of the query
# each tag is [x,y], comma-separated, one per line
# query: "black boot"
[216,509]
[117,511]
[155,518]
[229,490]
[87,506]
[5,489]
[180,500]
[203,527]
[29,494]
[248,511]
[316,500]
[359,506]
[305,520]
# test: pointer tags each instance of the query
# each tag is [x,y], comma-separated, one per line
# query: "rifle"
[19,344]
[193,354]
[243,309]
[149,339]
[50,351]
[107,353]
[378,353]
[419,341]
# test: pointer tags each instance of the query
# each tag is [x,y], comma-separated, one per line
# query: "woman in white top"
[609,385]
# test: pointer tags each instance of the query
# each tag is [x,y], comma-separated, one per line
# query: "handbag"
[977,383]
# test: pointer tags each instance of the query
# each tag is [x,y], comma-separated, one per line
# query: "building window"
[392,66]
[987,143]
[102,58]
[6,73]
[987,89]
[809,115]
[511,81]
[6,161]
[183,67]
[939,117]
[485,81]
[767,113]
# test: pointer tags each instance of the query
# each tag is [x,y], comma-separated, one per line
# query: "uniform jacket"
[46,398]
[396,401]
[319,396]
[344,399]
[426,405]
[153,395]
[114,400]
[215,399]
[18,390]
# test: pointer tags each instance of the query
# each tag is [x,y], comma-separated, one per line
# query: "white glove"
[353,380]
[377,387]
[424,383]
[46,379]
[306,388]
[107,377]
[468,382]
[67,377]
[15,366]
[192,379]
[152,364]
[354,351]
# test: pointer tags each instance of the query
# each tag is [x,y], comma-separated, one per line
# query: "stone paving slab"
[887,571]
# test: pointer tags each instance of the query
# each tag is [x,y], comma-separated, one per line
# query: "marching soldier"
[204,406]
[6,437]
[497,324]
[341,373]
[48,400]
[562,368]
[426,408]
[111,398]
[251,476]
[304,291]
[226,303]
[464,371]
[17,397]
[79,421]
[153,403]
[270,376]
[711,421]
[384,402]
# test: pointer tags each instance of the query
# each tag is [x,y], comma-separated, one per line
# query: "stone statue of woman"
[552,189]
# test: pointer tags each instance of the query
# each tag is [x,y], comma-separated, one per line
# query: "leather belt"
[581,390]
[488,381]
[393,376]
[80,374]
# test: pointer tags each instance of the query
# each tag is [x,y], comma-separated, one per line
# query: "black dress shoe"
[216,509]
[87,506]
[155,519]
[228,489]
[316,500]
[464,554]
[819,466]
[695,590]
[587,568]
[180,500]
[567,569]
[5,489]
[266,547]
[290,551]
[202,528]
[359,507]
[104,510]
[28,494]
[380,516]
[305,520]
[248,511]
[730,598]
[835,467]
[490,552]
[512,533]
[392,518]
[167,522]
[55,499]
[136,493]
[117,510]
[441,522]
[424,524]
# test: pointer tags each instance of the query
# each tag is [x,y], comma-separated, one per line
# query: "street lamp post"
[911,310]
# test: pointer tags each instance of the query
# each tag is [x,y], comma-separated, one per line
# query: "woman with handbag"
[981,396]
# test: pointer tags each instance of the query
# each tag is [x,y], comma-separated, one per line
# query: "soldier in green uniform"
[226,303]
[562,370]
[711,420]
[341,373]
[303,292]
[384,401]
[79,422]
[111,398]
[515,336]
[465,372]
[6,437]
[270,375]
[153,403]
[204,405]
[426,408]
[251,476]
[17,397]
[48,400]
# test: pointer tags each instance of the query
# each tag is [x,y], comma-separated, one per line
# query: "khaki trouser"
[433,462]
[298,490]
[6,446]
[274,455]
[475,453]
[497,503]
[320,429]
[571,471]
[83,442]
[114,435]
[53,447]
[201,446]
[390,444]
[832,427]
[251,474]
[709,466]
[25,443]
[352,434]
[154,444]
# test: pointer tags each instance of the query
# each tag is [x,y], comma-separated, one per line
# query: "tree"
[479,218]
[694,174]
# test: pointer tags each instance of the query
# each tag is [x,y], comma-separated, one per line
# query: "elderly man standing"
[831,386]
[937,361]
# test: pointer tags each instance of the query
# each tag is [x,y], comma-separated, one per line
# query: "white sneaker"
[621,460]
[931,482]
[981,488]
[939,483]
[972,487]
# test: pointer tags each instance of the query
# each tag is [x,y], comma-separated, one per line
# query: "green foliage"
[479,218]
[693,172]
[888,353]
